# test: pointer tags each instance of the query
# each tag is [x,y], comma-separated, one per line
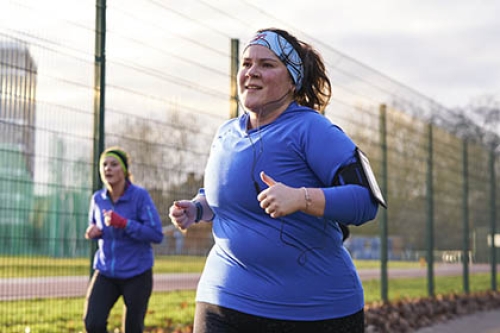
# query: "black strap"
[351,174]
[345,231]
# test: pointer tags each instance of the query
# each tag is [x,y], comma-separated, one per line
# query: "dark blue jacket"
[127,252]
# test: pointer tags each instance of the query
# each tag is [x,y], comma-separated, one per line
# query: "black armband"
[351,174]
[360,173]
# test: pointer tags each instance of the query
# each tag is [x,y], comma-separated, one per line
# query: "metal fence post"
[99,94]
[493,217]
[430,216]
[235,46]
[383,213]
[465,213]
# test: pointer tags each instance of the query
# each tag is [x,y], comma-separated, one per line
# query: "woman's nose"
[252,72]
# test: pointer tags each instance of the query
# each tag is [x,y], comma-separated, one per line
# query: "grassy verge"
[173,311]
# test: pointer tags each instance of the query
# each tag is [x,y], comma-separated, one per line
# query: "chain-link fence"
[160,82]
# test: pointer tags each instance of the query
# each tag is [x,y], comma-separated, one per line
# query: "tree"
[166,159]
[478,121]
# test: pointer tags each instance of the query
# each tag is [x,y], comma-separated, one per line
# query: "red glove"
[115,220]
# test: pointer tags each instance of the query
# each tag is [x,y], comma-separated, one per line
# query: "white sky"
[448,50]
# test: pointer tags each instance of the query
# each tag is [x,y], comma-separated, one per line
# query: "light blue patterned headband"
[284,51]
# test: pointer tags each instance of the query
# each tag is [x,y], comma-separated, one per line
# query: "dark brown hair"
[316,89]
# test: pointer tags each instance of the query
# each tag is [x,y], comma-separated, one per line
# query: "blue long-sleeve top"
[294,267]
[127,252]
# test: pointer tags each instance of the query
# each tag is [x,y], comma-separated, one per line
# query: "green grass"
[173,311]
[168,311]
[400,289]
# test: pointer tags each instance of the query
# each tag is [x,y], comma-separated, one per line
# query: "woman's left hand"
[279,200]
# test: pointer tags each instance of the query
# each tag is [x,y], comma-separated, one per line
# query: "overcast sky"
[448,50]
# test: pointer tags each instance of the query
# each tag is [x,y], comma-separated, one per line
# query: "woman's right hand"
[93,232]
[182,214]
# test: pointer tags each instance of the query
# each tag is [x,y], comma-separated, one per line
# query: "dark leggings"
[103,292]
[211,318]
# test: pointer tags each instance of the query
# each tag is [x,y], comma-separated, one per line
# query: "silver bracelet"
[308,198]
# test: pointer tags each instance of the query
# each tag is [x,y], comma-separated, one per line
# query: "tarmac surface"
[481,322]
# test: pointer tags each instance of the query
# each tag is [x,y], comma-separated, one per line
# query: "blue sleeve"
[328,150]
[149,228]
[349,204]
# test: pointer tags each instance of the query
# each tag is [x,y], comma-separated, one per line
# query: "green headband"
[120,157]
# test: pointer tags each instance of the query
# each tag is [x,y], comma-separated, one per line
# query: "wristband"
[199,211]
[116,220]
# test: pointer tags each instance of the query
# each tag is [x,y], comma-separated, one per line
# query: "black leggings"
[103,292]
[211,318]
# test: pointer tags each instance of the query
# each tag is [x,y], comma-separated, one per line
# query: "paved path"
[439,270]
[481,322]
[76,286]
